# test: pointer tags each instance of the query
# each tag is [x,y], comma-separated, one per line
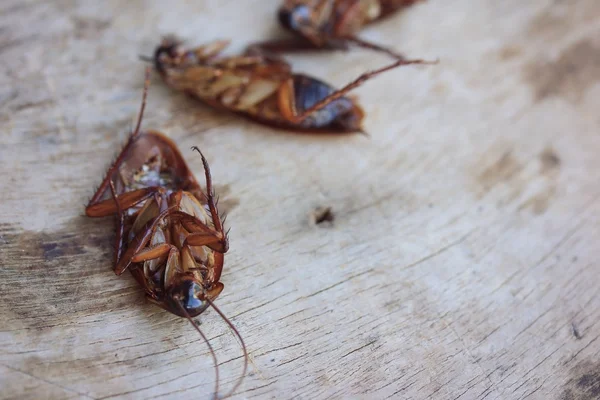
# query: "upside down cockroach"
[170,235]
[262,87]
[331,24]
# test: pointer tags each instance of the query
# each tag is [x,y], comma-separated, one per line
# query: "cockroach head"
[295,18]
[189,294]
[168,53]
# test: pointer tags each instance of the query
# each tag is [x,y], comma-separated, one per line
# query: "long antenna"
[212,352]
[141,115]
[239,382]
[353,85]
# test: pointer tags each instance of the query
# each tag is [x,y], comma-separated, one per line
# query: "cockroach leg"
[143,106]
[152,252]
[97,208]
[140,241]
[215,242]
[210,196]
[202,235]
[121,224]
[298,118]
[211,50]
[372,46]
[126,200]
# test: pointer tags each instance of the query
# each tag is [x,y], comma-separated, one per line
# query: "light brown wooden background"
[463,259]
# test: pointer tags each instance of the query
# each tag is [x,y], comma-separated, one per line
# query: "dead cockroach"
[262,87]
[170,235]
[331,24]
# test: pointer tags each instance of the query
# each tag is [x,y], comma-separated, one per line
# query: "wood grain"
[461,262]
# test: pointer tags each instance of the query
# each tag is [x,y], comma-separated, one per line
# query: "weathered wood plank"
[462,261]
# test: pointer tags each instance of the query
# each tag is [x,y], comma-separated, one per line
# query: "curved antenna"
[212,352]
[297,118]
[141,115]
[233,328]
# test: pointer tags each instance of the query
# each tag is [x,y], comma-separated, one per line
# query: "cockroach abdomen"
[309,91]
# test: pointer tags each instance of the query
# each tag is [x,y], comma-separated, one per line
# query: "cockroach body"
[262,87]
[170,235]
[169,242]
[331,24]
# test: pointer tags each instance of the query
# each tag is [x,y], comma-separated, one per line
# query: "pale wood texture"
[462,261]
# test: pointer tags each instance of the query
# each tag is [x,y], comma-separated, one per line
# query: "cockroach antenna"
[354,84]
[143,106]
[242,345]
[210,348]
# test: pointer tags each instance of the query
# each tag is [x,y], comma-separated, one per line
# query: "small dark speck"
[557,257]
[430,205]
[549,159]
[575,331]
[322,214]
[272,360]
[574,259]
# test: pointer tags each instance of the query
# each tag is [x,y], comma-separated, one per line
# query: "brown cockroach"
[331,24]
[262,87]
[170,235]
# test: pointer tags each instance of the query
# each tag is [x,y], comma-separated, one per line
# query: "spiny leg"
[214,242]
[103,186]
[298,118]
[120,228]
[143,106]
[153,252]
[210,200]
[200,234]
[140,240]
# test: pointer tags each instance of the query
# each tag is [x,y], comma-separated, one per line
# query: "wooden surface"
[462,262]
